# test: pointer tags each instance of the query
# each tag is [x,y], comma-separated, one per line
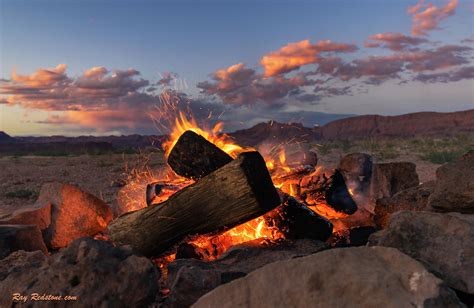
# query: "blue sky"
[196,38]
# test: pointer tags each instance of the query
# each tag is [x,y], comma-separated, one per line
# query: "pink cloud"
[393,41]
[427,16]
[239,85]
[294,55]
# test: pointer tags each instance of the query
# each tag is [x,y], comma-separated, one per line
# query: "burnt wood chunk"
[235,193]
[338,196]
[297,221]
[194,157]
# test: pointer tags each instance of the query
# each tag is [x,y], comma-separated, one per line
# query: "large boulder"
[20,237]
[341,277]
[390,178]
[74,214]
[444,243]
[99,274]
[411,199]
[454,190]
[189,279]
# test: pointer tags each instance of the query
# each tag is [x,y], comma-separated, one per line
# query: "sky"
[99,67]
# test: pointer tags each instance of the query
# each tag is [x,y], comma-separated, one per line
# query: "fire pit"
[217,194]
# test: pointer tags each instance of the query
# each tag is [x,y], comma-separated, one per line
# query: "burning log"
[194,157]
[237,192]
[338,196]
[296,220]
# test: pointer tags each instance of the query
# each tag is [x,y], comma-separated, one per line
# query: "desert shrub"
[441,156]
[323,148]
[22,194]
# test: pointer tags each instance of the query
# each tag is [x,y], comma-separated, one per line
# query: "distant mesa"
[5,138]
[435,124]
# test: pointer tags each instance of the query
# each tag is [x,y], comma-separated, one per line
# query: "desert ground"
[103,175]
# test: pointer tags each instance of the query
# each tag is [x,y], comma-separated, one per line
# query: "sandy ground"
[101,175]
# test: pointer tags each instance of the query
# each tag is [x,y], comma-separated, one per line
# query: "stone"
[74,214]
[189,279]
[38,214]
[390,178]
[98,273]
[454,191]
[20,237]
[357,171]
[412,199]
[341,277]
[444,243]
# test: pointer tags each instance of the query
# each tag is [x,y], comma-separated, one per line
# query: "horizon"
[225,132]
[70,69]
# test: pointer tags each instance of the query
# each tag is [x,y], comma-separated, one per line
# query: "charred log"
[338,196]
[237,192]
[194,157]
[297,221]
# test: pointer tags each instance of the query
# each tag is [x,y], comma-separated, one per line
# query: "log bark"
[194,157]
[237,192]
[296,220]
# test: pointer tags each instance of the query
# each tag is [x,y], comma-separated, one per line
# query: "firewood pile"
[191,237]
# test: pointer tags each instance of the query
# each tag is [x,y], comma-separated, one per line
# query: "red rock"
[38,214]
[74,214]
[20,237]
[407,125]
[390,178]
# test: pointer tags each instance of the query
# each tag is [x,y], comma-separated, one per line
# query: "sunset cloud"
[452,76]
[427,16]
[239,85]
[394,41]
[294,55]
[96,89]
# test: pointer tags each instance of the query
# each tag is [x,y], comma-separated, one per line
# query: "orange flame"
[223,141]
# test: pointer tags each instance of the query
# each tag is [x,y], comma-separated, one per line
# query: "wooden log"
[338,196]
[296,220]
[237,192]
[194,157]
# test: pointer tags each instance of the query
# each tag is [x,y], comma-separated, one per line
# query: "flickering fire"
[294,181]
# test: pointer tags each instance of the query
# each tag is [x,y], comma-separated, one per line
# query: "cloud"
[378,69]
[468,40]
[96,89]
[42,77]
[455,75]
[427,16]
[166,79]
[294,55]
[394,41]
[239,85]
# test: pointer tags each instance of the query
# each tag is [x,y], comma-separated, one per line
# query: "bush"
[22,194]
[441,156]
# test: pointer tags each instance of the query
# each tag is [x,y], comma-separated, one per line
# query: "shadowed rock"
[99,274]
[455,186]
[20,237]
[189,279]
[332,278]
[444,243]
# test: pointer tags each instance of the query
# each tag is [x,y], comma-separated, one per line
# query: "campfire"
[215,194]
